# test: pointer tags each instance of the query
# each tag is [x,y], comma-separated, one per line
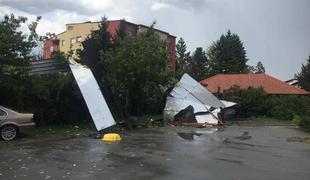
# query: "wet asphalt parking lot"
[234,152]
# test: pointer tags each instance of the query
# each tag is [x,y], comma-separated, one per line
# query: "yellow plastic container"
[111,137]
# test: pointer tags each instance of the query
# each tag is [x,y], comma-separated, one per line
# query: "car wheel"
[8,132]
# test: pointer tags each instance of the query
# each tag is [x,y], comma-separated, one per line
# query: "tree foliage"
[256,102]
[183,58]
[129,69]
[99,41]
[54,98]
[135,70]
[102,36]
[304,75]
[15,47]
[260,69]
[251,102]
[227,55]
[198,65]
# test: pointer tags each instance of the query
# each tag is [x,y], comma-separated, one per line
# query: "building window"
[73,40]
[63,42]
[70,28]
[168,42]
[52,49]
[130,33]
[79,39]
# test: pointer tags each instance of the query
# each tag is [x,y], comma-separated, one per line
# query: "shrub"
[53,98]
[303,122]
[255,102]
[251,102]
[288,106]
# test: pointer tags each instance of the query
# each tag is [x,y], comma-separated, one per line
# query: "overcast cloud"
[276,32]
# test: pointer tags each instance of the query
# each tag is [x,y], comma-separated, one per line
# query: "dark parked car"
[12,123]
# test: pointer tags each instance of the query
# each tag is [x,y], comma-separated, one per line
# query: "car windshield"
[7,109]
[2,112]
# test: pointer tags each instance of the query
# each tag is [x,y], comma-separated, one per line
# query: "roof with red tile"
[270,84]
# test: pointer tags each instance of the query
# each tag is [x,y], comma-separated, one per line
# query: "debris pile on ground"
[189,103]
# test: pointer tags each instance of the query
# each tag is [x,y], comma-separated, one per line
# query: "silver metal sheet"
[189,89]
[209,118]
[175,105]
[189,92]
[93,97]
[228,103]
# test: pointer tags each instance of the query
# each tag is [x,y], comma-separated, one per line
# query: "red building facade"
[50,46]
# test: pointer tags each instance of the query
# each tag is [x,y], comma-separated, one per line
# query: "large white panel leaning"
[97,106]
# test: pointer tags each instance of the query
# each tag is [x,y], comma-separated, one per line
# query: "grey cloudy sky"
[276,32]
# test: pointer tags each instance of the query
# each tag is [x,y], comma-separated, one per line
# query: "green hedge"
[288,106]
[54,98]
[256,102]
[303,122]
[251,102]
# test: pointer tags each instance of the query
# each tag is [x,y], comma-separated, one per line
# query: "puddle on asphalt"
[195,134]
[189,136]
[230,160]
[131,157]
[245,136]
[229,141]
[151,131]
[298,139]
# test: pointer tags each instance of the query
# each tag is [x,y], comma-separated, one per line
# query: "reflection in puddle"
[298,139]
[188,136]
[193,135]
[245,136]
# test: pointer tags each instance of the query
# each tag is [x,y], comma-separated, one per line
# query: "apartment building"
[76,33]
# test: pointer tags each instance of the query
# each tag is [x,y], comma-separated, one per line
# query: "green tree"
[61,60]
[260,69]
[15,47]
[198,65]
[15,56]
[251,69]
[98,42]
[183,58]
[135,70]
[251,101]
[304,75]
[102,36]
[53,98]
[121,32]
[227,55]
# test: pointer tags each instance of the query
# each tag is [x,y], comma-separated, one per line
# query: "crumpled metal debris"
[188,92]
